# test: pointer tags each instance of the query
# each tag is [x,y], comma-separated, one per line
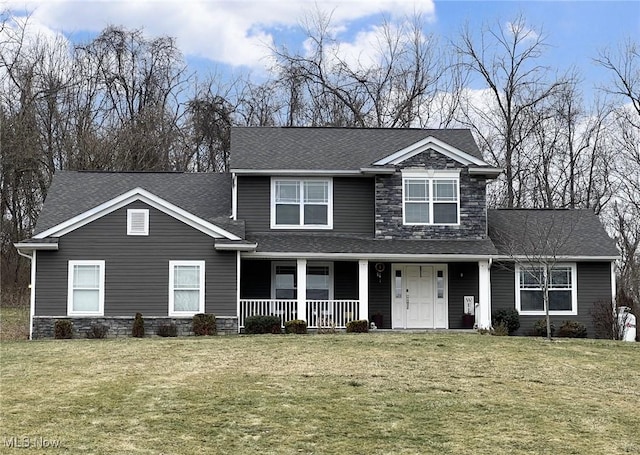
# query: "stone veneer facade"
[473,204]
[43,326]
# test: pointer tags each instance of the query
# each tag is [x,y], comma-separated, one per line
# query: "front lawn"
[335,394]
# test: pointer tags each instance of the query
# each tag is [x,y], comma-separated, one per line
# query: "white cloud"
[237,33]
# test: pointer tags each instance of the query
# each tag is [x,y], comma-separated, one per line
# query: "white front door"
[419,296]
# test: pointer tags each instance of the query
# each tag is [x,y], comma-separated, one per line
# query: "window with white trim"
[186,288]
[85,295]
[301,203]
[430,200]
[562,279]
[319,281]
[137,222]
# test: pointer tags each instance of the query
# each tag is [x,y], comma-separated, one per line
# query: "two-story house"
[322,224]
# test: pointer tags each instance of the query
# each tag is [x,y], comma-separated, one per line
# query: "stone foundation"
[44,326]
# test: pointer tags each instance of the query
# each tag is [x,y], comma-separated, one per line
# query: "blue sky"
[220,36]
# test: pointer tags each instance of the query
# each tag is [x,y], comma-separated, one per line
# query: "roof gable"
[136,194]
[205,195]
[431,143]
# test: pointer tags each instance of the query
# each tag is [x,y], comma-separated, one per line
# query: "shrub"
[137,330]
[262,324]
[572,329]
[204,324]
[500,330]
[167,330]
[510,318]
[359,326]
[63,329]
[295,326]
[606,323]
[97,331]
[540,328]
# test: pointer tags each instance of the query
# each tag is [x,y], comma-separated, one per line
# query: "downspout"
[32,288]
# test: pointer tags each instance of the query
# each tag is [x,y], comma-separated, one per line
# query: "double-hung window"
[85,296]
[561,281]
[432,200]
[301,203]
[186,288]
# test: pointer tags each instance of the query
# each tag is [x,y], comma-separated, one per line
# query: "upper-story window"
[431,199]
[301,203]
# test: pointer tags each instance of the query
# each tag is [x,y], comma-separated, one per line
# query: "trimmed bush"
[204,324]
[359,326]
[63,329]
[262,324]
[510,318]
[97,331]
[572,329]
[500,330]
[295,326]
[167,330]
[540,328]
[137,331]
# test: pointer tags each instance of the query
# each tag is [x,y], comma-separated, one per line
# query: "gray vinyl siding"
[353,205]
[463,280]
[136,267]
[380,294]
[594,284]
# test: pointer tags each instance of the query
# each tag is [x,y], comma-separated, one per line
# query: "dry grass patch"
[369,393]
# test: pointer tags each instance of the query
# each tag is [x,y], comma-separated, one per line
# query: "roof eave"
[319,172]
[489,172]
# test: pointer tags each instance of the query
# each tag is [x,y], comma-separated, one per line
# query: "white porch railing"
[331,313]
[285,309]
[320,313]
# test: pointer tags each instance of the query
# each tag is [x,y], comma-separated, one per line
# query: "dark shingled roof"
[554,232]
[331,148]
[328,243]
[205,195]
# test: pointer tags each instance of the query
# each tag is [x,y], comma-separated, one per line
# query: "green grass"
[360,394]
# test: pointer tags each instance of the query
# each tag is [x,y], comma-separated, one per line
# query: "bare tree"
[535,247]
[506,60]
[623,64]
[392,86]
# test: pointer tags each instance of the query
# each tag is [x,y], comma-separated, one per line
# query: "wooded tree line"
[126,101]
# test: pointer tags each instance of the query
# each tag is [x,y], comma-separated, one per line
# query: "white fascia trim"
[371,256]
[532,258]
[421,172]
[489,171]
[236,247]
[297,172]
[435,144]
[137,194]
[36,246]
[234,196]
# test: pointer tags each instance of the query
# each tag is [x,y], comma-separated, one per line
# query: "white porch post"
[301,270]
[484,291]
[363,289]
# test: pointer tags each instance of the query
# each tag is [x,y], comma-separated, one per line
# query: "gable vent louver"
[137,222]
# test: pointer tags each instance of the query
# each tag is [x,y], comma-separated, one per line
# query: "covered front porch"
[400,294]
